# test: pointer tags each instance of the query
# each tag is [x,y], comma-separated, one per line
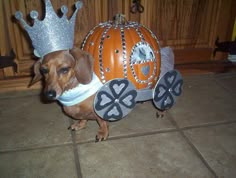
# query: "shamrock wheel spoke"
[115,99]
[167,89]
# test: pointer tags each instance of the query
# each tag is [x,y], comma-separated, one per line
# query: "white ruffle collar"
[80,93]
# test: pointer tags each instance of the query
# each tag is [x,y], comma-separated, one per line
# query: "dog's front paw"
[101,136]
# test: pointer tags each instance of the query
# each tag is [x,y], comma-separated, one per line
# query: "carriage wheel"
[167,89]
[115,99]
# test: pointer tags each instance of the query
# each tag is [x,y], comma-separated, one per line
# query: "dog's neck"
[80,93]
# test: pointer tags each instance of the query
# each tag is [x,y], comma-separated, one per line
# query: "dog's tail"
[217,41]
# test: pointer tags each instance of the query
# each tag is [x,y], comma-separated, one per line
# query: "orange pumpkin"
[124,50]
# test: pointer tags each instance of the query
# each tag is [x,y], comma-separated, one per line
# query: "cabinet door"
[5,37]
[190,26]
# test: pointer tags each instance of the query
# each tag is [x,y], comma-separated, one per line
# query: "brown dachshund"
[63,71]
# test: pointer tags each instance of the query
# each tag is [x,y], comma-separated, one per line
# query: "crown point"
[78,5]
[64,9]
[36,53]
[18,15]
[46,35]
[34,14]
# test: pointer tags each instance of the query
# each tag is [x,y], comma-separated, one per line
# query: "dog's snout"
[51,94]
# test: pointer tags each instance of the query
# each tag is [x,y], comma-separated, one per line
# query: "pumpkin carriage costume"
[129,65]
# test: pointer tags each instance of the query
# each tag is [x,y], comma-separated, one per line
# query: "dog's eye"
[44,70]
[64,70]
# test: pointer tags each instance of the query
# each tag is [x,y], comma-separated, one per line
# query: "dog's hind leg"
[103,131]
[160,113]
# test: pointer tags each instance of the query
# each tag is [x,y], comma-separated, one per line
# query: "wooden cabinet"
[189,26]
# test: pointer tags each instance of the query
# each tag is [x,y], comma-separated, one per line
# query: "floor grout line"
[226,75]
[34,148]
[228,91]
[132,135]
[196,151]
[74,143]
[75,150]
[212,124]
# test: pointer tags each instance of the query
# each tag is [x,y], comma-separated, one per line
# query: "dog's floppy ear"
[37,73]
[83,65]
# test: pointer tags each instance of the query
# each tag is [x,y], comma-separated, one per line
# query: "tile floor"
[196,138]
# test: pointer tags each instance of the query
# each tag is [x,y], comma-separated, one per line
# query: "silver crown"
[53,33]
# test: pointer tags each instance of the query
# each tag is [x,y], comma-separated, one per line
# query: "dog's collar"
[80,93]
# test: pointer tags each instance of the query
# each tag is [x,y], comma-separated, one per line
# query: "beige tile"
[54,163]
[141,120]
[203,101]
[161,155]
[26,122]
[227,81]
[218,146]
